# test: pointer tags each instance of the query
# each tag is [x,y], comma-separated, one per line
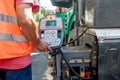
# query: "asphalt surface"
[40,69]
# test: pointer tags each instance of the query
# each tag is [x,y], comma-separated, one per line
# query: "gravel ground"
[40,69]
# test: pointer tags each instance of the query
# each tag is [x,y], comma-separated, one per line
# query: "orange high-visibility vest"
[12,41]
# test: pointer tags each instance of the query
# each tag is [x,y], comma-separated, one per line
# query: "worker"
[18,38]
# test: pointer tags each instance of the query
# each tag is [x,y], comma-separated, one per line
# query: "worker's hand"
[43,46]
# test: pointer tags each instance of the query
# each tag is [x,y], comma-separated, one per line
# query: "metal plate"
[108,60]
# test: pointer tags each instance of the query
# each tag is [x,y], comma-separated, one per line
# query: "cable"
[77,37]
[64,44]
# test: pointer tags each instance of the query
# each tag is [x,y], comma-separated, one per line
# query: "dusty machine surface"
[98,54]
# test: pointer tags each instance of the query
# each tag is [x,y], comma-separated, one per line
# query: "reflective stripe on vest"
[12,37]
[7,18]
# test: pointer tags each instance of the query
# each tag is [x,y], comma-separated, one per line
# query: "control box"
[51,30]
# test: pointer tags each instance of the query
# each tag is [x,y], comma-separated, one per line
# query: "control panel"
[51,30]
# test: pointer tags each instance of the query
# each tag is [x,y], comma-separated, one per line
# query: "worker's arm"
[29,28]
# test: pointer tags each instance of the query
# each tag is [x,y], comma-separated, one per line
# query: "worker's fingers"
[49,49]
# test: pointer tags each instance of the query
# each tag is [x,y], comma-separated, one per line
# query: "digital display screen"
[51,23]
